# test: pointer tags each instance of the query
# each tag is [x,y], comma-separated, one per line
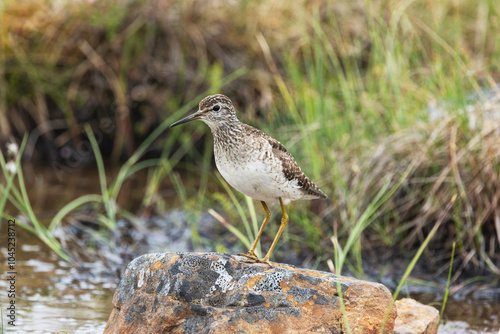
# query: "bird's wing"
[291,169]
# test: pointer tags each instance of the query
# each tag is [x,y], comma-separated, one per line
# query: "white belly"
[261,179]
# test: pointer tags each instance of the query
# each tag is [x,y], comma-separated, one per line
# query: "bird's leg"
[251,253]
[284,221]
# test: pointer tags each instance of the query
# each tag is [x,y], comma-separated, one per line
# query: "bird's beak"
[192,117]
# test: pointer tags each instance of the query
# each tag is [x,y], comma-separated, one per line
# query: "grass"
[373,100]
[18,196]
[364,130]
[417,256]
[447,291]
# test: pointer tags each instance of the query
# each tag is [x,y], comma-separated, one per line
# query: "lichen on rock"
[219,293]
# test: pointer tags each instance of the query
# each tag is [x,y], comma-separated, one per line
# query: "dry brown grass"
[448,158]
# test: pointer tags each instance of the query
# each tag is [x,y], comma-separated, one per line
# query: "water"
[459,326]
[471,316]
[51,294]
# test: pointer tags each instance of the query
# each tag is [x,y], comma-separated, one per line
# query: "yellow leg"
[284,221]
[251,253]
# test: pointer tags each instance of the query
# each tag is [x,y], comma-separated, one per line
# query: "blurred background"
[391,107]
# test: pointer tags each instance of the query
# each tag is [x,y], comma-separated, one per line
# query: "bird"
[253,163]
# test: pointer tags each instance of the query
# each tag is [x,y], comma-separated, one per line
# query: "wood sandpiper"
[253,163]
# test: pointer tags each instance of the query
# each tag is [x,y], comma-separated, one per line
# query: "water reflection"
[49,295]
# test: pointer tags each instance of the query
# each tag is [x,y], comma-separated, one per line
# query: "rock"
[415,318]
[218,293]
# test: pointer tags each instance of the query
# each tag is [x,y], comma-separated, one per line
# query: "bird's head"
[214,110]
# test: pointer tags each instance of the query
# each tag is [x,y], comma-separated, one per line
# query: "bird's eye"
[216,107]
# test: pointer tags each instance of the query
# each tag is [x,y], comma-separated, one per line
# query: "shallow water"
[471,316]
[52,295]
[459,326]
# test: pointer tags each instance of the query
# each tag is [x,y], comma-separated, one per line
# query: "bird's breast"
[254,171]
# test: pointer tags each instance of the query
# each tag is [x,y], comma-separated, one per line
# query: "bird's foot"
[250,255]
[252,258]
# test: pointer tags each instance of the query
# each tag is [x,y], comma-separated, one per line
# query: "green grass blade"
[447,291]
[102,174]
[74,204]
[414,260]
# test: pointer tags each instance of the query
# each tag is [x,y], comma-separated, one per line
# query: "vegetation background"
[391,106]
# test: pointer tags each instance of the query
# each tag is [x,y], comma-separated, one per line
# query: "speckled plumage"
[252,162]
